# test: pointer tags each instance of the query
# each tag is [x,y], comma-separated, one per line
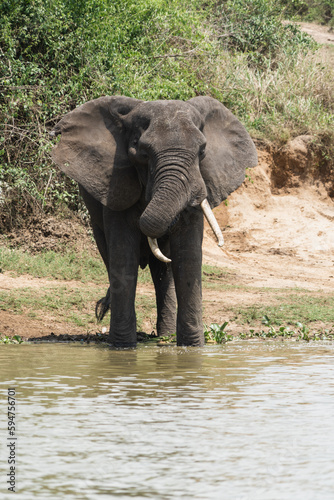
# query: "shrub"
[256,28]
[310,10]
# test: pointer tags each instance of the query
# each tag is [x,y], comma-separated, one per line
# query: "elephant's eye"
[202,153]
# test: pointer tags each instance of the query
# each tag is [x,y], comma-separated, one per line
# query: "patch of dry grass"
[289,98]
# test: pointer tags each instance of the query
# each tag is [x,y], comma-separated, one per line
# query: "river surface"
[241,421]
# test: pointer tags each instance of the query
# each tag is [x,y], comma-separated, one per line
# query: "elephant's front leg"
[123,241]
[186,255]
[162,276]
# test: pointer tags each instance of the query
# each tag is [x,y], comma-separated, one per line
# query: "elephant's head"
[178,153]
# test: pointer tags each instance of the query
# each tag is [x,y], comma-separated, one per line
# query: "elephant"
[147,170]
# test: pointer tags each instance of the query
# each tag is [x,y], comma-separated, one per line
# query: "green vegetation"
[74,306]
[261,34]
[56,55]
[292,314]
[69,305]
[218,334]
[72,265]
[75,303]
[16,339]
[308,307]
[69,265]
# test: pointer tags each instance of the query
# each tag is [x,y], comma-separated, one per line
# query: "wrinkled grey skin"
[143,169]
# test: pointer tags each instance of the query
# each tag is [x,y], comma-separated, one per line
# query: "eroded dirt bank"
[278,225]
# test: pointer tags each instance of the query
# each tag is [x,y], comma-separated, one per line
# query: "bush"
[310,10]
[256,28]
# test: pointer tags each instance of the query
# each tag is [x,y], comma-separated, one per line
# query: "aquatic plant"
[16,339]
[217,333]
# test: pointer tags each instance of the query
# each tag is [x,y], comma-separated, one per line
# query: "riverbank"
[276,266]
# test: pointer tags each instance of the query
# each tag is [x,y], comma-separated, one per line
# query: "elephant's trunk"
[171,194]
[211,220]
[164,207]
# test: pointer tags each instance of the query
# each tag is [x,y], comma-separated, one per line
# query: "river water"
[241,421]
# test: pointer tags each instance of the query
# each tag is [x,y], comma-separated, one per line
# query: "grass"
[71,265]
[63,266]
[62,303]
[218,334]
[145,313]
[320,11]
[16,339]
[293,97]
[290,308]
[68,304]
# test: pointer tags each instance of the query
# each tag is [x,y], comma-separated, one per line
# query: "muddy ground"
[278,230]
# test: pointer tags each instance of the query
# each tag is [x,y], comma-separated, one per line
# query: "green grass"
[63,266]
[71,265]
[16,339]
[320,11]
[75,306]
[219,334]
[145,312]
[68,266]
[290,308]
[293,97]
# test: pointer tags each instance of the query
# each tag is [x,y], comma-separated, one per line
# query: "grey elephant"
[147,170]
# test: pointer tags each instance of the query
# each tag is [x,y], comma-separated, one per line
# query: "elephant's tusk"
[156,250]
[212,221]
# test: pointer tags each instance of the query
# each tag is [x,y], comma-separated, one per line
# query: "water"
[243,421]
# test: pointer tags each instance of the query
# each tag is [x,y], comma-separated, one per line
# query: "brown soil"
[52,233]
[321,34]
[279,237]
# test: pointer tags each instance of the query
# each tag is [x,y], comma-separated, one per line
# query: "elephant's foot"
[166,325]
[122,341]
[194,339]
[121,345]
[123,333]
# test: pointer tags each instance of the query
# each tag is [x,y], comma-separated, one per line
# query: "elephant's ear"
[229,149]
[93,151]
